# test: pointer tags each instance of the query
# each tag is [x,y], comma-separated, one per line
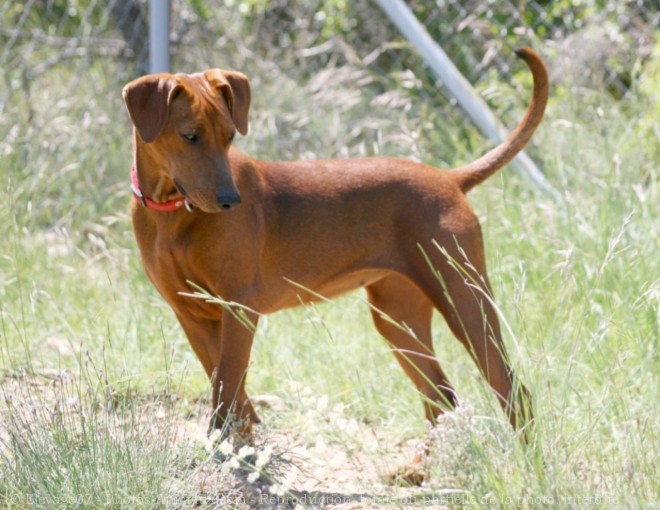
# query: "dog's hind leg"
[460,290]
[402,315]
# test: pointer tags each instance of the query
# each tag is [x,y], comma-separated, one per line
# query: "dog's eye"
[191,137]
[231,137]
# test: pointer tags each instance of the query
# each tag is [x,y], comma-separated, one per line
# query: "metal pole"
[159,36]
[471,102]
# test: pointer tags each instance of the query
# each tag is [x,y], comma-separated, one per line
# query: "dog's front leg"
[204,338]
[231,405]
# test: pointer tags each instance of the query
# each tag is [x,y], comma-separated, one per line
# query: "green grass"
[98,375]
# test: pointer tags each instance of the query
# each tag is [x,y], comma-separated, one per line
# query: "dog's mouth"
[208,203]
[180,188]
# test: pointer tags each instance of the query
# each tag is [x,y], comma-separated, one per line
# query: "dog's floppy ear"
[235,89]
[148,101]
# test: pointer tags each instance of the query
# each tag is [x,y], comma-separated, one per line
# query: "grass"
[81,452]
[103,397]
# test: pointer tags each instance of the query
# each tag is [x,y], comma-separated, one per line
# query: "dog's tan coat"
[326,226]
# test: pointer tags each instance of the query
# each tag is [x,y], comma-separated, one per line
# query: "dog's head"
[185,124]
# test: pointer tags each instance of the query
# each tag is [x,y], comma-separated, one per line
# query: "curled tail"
[468,176]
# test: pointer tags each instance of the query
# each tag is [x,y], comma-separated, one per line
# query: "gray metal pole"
[471,102]
[159,36]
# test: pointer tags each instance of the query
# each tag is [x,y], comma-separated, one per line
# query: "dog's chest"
[177,264]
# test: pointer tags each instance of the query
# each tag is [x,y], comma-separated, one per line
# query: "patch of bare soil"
[318,473]
[345,467]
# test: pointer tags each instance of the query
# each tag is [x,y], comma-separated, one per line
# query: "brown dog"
[266,236]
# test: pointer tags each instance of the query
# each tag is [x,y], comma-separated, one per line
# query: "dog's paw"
[411,476]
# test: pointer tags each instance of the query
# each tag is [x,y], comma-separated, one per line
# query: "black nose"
[228,201]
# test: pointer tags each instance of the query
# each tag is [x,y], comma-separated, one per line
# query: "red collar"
[169,206]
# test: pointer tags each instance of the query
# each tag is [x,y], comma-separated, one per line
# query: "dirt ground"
[326,473]
[323,472]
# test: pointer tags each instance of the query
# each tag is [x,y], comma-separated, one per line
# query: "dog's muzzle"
[223,199]
[226,202]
